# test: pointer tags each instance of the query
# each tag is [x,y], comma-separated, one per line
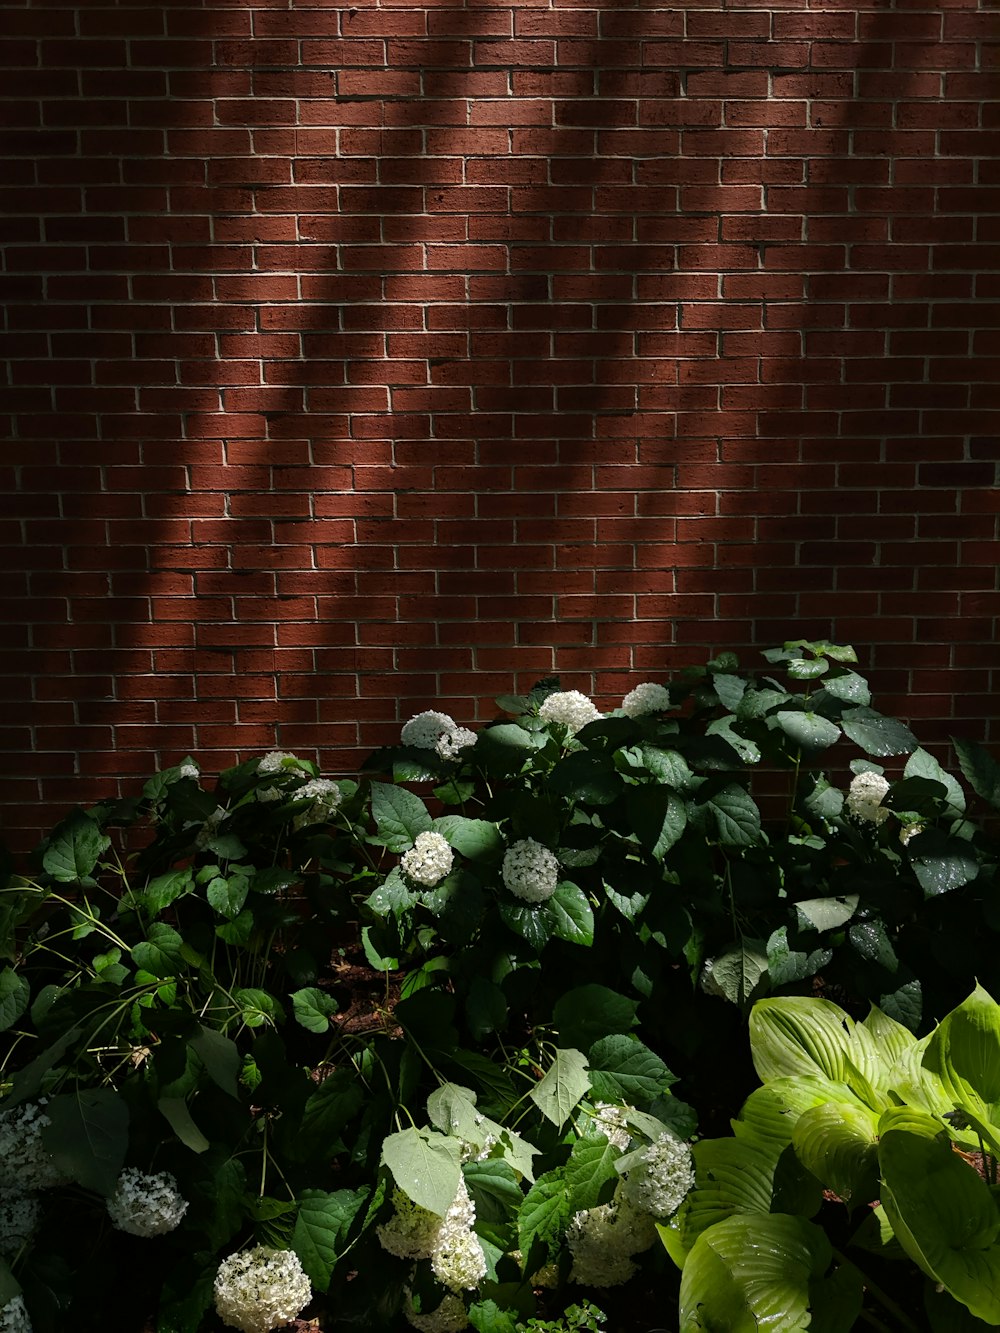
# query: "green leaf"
[748,750]
[571,915]
[227,896]
[753,1272]
[544,1214]
[258,1006]
[399,816]
[475,839]
[393,896]
[505,748]
[488,1317]
[923,765]
[729,690]
[220,1056]
[805,668]
[786,965]
[808,730]
[9,1285]
[667,766]
[312,1008]
[321,1229]
[876,734]
[964,1053]
[944,1216]
[623,1069]
[736,974]
[870,941]
[330,1109]
[587,777]
[849,687]
[590,1168]
[586,1013]
[564,1083]
[736,816]
[531,923]
[237,931]
[837,1143]
[165,889]
[941,863]
[486,1010]
[376,959]
[980,769]
[793,1035]
[74,849]
[658,818]
[161,953]
[732,1176]
[178,1116]
[15,992]
[452,1109]
[494,1189]
[826,913]
[425,1166]
[88,1136]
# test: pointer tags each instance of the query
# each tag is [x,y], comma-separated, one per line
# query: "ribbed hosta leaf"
[797,1035]
[770,1114]
[837,1143]
[731,1177]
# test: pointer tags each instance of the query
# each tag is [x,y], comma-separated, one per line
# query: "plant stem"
[883,1297]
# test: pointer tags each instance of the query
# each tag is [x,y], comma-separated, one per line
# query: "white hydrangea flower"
[412,1231]
[458,1260]
[661,1178]
[602,1241]
[325,797]
[25,1163]
[429,860]
[189,769]
[14,1316]
[909,831]
[274,762]
[865,796]
[449,1317]
[530,871]
[573,709]
[146,1205]
[646,698]
[610,1121]
[210,827]
[426,729]
[19,1214]
[260,1289]
[451,744]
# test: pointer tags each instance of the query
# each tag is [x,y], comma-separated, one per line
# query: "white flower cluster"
[530,871]
[19,1213]
[646,698]
[864,798]
[449,1242]
[425,730]
[14,1316]
[662,1177]
[274,762]
[25,1164]
[189,769]
[573,709]
[449,1317]
[610,1121]
[429,860]
[260,1289]
[325,797]
[602,1241]
[909,831]
[450,744]
[146,1205]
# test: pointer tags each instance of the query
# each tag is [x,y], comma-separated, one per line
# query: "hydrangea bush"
[397,1051]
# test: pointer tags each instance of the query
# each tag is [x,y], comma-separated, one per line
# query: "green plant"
[900,1132]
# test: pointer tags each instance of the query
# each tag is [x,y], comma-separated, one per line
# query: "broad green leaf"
[330,1109]
[475,839]
[321,1228]
[964,1053]
[74,849]
[751,1273]
[258,1007]
[379,961]
[759,703]
[736,816]
[731,1176]
[220,1056]
[921,764]
[944,1216]
[941,863]
[15,992]
[658,818]
[786,965]
[494,1189]
[808,730]
[798,1035]
[452,1109]
[531,923]
[544,1214]
[870,941]
[313,1008]
[806,668]
[228,894]
[729,689]
[668,766]
[736,974]
[486,1010]
[425,1166]
[161,953]
[905,1004]
[586,777]
[504,749]
[393,895]
[748,750]
[563,1084]
[769,1115]
[836,1301]
[826,913]
[849,687]
[177,1115]
[9,1285]
[623,1069]
[399,816]
[876,734]
[837,1143]
[586,1013]
[980,769]
[165,889]
[27,1082]
[237,931]
[88,1136]
[946,1315]
[488,1317]
[590,1168]
[571,915]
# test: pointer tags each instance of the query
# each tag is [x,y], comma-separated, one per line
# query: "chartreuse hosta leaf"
[944,1216]
[796,1035]
[770,1113]
[753,1273]
[964,1053]
[732,1177]
[837,1143]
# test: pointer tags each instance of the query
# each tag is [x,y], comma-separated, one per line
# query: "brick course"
[371,357]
